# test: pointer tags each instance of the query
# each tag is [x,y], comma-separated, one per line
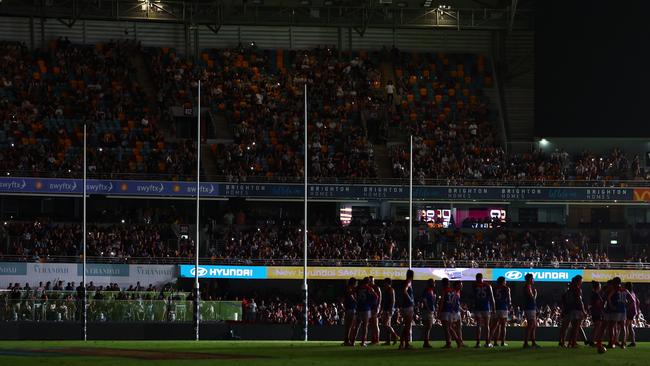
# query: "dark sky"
[592,68]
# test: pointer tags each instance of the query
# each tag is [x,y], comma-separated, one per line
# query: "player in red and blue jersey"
[366,299]
[457,323]
[408,303]
[387,311]
[607,314]
[375,311]
[617,304]
[350,303]
[577,312]
[483,306]
[565,319]
[429,302]
[446,312]
[631,313]
[502,301]
[597,310]
[530,311]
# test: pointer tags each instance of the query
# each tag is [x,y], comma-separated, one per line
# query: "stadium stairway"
[224,131]
[383,161]
[382,156]
[209,164]
[387,70]
[144,78]
[518,79]
[520,106]
[223,135]
[496,105]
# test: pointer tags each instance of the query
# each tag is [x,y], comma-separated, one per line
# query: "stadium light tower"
[197,293]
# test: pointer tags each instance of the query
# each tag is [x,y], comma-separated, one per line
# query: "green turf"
[324,353]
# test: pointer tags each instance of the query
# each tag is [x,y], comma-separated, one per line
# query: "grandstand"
[217,170]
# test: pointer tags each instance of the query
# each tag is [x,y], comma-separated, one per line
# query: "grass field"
[245,353]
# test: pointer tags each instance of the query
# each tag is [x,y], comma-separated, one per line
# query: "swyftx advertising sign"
[234,272]
[539,275]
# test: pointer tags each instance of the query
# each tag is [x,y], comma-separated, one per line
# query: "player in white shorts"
[502,302]
[429,302]
[483,304]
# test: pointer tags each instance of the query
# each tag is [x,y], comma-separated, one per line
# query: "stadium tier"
[380,244]
[253,105]
[47,97]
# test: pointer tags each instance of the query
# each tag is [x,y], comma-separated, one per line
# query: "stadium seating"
[260,92]
[48,95]
[443,105]
[39,241]
[380,244]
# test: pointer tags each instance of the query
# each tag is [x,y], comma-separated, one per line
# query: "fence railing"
[112,310]
[570,182]
[333,262]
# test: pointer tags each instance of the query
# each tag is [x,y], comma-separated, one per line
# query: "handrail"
[419,263]
[621,183]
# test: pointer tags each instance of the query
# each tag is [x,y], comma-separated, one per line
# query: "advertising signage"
[539,274]
[397,273]
[233,272]
[123,274]
[58,186]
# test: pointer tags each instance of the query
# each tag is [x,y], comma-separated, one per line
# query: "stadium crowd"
[443,104]
[48,94]
[260,93]
[381,243]
[528,247]
[284,242]
[38,241]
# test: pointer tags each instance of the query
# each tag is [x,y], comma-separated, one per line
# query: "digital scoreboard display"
[478,218]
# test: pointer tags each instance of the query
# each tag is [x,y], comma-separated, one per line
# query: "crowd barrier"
[68,309]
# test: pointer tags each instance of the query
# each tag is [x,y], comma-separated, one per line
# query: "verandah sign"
[99,273]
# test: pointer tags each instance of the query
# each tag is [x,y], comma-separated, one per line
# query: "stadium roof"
[357,14]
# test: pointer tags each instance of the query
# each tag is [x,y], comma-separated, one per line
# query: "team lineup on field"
[369,309]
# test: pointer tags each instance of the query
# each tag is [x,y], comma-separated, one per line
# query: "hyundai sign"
[539,275]
[322,273]
[234,272]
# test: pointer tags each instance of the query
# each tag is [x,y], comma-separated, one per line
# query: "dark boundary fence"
[225,331]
